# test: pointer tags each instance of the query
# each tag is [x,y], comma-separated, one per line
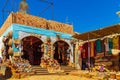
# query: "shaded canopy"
[99,33]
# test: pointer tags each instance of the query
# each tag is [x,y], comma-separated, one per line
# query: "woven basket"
[10,42]
[10,34]
[2,49]
[3,40]
[17,54]
[112,76]
[16,41]
[10,51]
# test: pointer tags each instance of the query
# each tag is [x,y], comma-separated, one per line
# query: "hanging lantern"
[115,52]
[10,51]
[10,42]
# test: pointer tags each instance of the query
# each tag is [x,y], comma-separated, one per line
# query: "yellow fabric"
[92,49]
[116,42]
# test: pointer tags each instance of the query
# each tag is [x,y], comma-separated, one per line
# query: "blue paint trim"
[6,32]
[30,29]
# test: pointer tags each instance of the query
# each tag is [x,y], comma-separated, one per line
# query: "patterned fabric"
[84,53]
[92,49]
[106,44]
[98,46]
[110,41]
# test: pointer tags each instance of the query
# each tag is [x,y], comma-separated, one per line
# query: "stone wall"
[35,21]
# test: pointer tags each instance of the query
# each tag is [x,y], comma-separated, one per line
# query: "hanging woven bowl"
[10,42]
[10,51]
[10,34]
[2,49]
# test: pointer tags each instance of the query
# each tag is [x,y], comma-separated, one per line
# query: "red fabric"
[84,52]
[80,47]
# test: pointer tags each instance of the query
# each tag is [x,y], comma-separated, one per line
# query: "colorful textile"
[116,42]
[106,43]
[92,49]
[103,45]
[84,53]
[110,41]
[98,46]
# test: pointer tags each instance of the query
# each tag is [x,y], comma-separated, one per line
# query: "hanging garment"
[119,42]
[84,53]
[116,42]
[92,49]
[110,41]
[98,46]
[103,45]
[106,43]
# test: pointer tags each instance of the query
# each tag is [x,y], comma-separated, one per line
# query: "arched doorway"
[62,52]
[32,49]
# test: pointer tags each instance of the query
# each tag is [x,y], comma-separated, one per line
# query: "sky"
[85,15]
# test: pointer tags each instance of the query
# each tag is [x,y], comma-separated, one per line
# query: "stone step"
[43,71]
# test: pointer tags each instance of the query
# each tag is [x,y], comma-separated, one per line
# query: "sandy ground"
[53,77]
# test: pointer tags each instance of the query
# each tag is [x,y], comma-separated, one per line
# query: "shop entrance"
[62,52]
[32,49]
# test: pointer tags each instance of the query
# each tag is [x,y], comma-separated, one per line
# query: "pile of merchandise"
[51,64]
[20,67]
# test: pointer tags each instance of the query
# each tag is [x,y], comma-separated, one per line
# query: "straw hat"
[10,51]
[10,42]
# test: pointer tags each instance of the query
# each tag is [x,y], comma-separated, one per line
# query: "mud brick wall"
[60,27]
[29,20]
[38,22]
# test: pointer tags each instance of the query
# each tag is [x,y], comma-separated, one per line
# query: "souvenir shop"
[99,47]
[32,43]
